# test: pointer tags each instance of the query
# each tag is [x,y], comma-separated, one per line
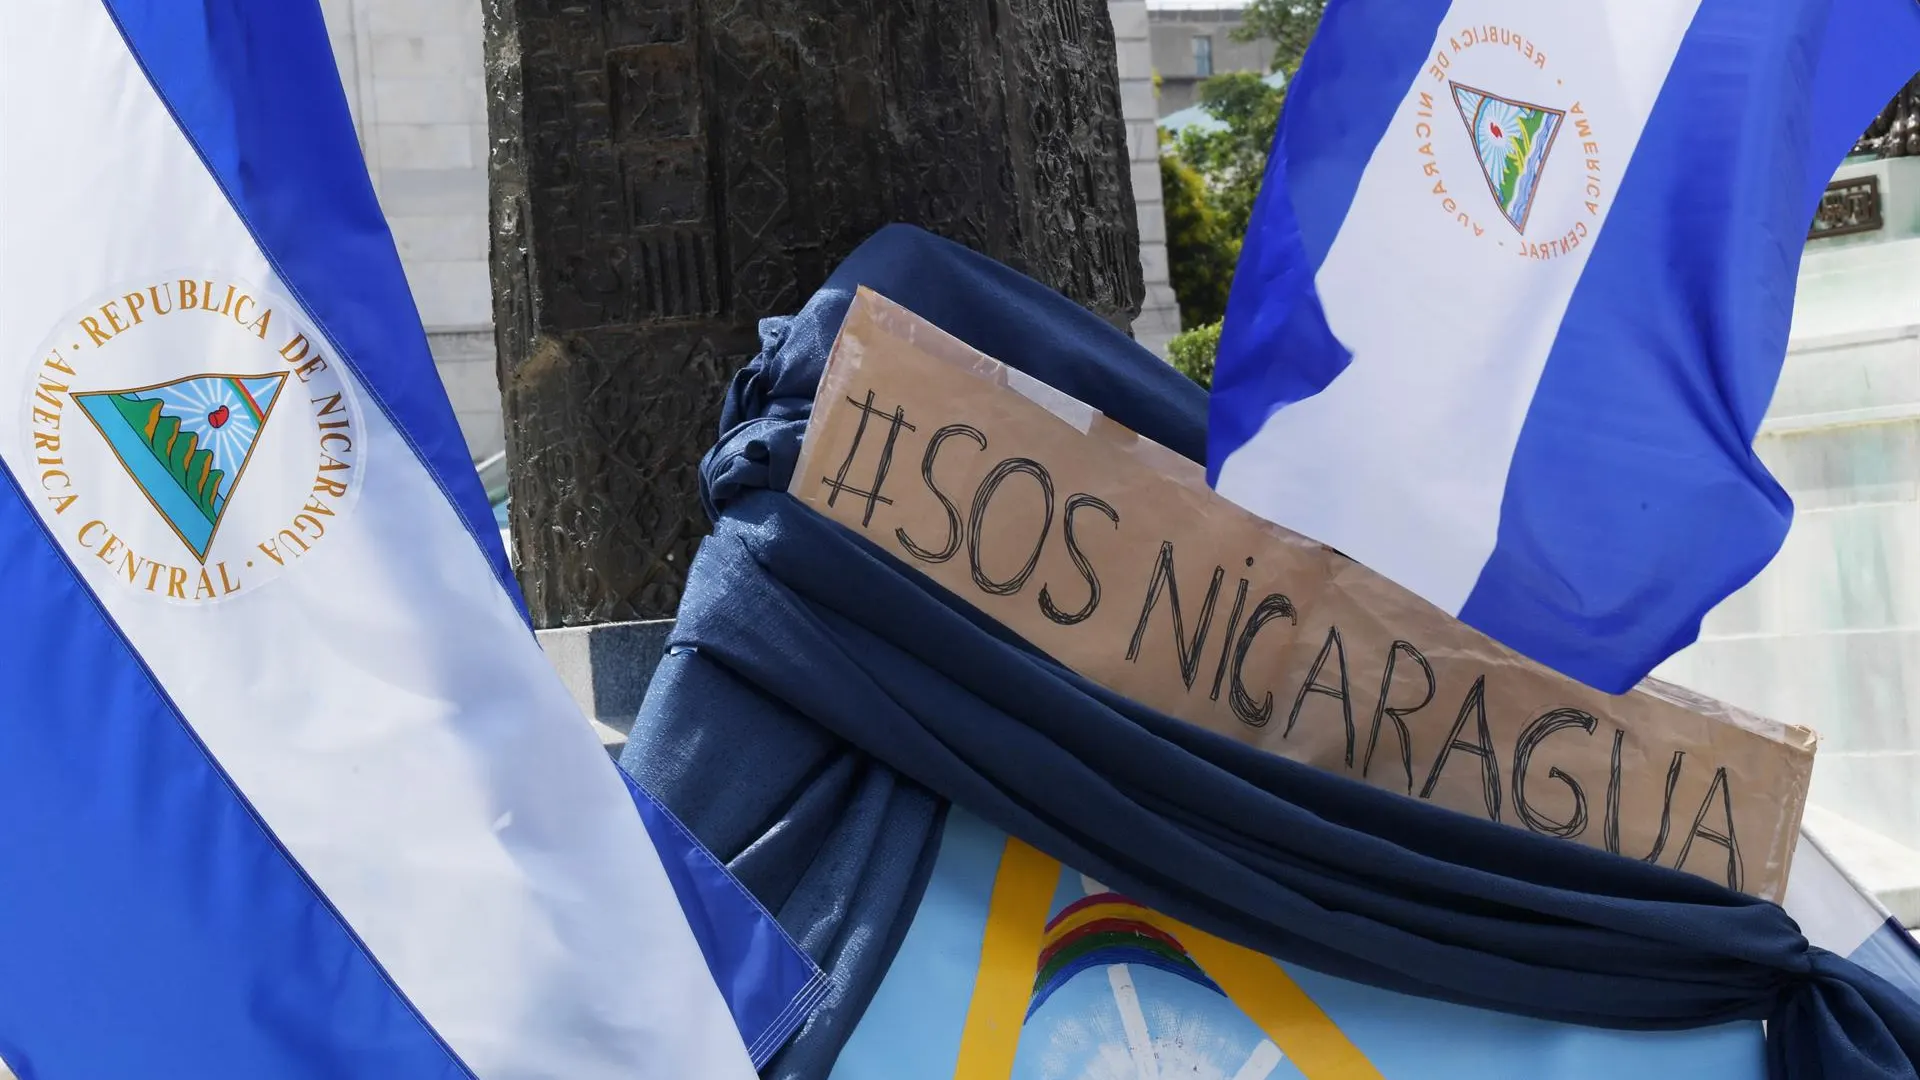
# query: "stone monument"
[665,174]
[1896,131]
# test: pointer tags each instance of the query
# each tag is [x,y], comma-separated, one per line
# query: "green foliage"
[1234,159]
[1192,352]
[1201,250]
[1211,178]
[1289,24]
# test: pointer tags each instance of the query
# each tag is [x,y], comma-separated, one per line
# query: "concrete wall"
[1175,25]
[413,78]
[1829,634]
[1159,317]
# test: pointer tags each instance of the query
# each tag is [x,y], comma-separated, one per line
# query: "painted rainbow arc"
[1105,929]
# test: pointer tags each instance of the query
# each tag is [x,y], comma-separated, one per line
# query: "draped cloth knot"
[821,702]
[1834,1018]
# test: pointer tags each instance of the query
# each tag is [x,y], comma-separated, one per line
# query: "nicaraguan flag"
[288,788]
[1517,292]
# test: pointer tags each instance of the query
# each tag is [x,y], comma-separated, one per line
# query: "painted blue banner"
[1018,968]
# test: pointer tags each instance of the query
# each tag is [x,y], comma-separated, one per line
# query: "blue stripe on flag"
[1341,104]
[147,865]
[769,984]
[255,89]
[1839,914]
[1635,502]
[1273,306]
[1860,37]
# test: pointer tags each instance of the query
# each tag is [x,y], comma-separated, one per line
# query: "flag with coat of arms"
[290,789]
[1513,303]
[1516,293]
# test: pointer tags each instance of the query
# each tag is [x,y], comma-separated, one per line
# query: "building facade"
[1193,41]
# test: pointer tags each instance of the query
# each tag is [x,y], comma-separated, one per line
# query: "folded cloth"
[821,701]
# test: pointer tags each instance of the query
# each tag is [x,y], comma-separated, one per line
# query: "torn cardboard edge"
[1109,552]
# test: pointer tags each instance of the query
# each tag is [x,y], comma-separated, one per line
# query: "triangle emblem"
[186,443]
[1511,139]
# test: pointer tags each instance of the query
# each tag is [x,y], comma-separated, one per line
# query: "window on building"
[1203,56]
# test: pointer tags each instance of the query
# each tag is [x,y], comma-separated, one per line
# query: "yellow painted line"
[1268,995]
[1016,920]
[1023,892]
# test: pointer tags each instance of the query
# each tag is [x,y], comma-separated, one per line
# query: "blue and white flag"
[288,788]
[1517,292]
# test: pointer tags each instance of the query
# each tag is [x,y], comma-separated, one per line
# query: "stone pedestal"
[665,173]
[607,668]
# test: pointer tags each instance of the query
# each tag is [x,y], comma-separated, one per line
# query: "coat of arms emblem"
[1511,139]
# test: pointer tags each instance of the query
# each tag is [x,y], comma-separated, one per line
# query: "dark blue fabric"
[808,667]
[835,844]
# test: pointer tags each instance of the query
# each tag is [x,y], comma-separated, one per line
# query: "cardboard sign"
[1111,554]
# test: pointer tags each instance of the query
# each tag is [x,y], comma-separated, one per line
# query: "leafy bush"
[1201,251]
[1232,160]
[1192,352]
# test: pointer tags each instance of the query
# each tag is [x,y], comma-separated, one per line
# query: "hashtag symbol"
[838,485]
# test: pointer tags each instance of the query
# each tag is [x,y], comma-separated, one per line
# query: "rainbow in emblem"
[185,443]
[1511,139]
[1105,929]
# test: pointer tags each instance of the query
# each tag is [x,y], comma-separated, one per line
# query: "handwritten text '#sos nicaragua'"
[1002,531]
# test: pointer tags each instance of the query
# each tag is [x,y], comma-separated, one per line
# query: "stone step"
[1881,865]
[607,668]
